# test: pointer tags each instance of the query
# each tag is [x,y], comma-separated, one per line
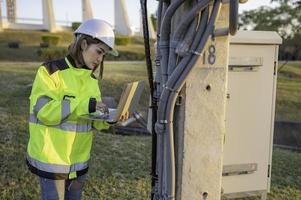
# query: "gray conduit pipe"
[196,47]
[180,31]
[164,38]
[184,46]
[160,147]
[163,46]
[175,82]
[184,49]
[155,138]
[189,17]
[185,43]
[201,28]
[159,153]
[157,52]
[200,32]
[172,60]
[233,17]
[166,159]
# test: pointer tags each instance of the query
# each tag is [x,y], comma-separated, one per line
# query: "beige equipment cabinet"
[250,113]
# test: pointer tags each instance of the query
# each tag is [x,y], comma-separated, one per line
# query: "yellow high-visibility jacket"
[60,142]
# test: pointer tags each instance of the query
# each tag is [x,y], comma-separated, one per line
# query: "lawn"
[29,46]
[120,167]
[120,164]
[288,106]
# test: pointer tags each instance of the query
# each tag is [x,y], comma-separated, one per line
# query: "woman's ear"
[84,44]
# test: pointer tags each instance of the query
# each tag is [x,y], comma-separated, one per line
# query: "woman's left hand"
[102,107]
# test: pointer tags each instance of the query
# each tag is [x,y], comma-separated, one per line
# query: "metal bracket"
[239,169]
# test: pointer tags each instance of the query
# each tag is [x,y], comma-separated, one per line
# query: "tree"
[284,18]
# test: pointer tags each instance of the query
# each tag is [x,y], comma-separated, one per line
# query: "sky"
[70,10]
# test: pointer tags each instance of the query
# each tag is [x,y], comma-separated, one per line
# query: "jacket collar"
[72,62]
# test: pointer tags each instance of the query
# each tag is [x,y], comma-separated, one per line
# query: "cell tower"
[11,10]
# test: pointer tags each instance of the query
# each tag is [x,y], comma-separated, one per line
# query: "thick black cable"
[147,46]
[153,89]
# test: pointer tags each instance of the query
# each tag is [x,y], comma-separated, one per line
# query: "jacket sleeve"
[101,125]
[50,104]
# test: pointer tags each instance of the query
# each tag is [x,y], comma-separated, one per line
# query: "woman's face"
[93,53]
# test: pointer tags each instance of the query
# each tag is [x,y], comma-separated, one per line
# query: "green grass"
[286,176]
[29,37]
[120,165]
[30,44]
[288,106]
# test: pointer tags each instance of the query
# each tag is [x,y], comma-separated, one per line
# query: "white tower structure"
[48,16]
[11,10]
[87,12]
[1,23]
[122,26]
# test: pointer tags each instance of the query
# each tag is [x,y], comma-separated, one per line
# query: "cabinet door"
[249,116]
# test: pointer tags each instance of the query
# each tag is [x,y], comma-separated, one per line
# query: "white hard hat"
[100,30]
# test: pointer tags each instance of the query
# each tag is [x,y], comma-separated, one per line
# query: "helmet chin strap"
[97,71]
[76,39]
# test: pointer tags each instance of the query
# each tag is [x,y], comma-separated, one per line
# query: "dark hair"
[75,51]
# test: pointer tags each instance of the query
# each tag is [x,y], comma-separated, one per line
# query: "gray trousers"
[62,189]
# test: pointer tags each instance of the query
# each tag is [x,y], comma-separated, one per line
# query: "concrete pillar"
[87,12]
[48,16]
[122,26]
[201,155]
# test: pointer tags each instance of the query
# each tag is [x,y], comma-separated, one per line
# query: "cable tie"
[172,90]
[196,53]
[163,121]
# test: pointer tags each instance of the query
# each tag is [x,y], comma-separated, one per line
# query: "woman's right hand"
[100,106]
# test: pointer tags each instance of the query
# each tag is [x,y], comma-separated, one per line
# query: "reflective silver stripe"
[65,126]
[65,107]
[55,168]
[42,101]
[66,110]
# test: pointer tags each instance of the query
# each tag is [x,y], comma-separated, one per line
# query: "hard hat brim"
[113,52]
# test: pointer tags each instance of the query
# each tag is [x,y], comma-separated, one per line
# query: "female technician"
[60,141]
